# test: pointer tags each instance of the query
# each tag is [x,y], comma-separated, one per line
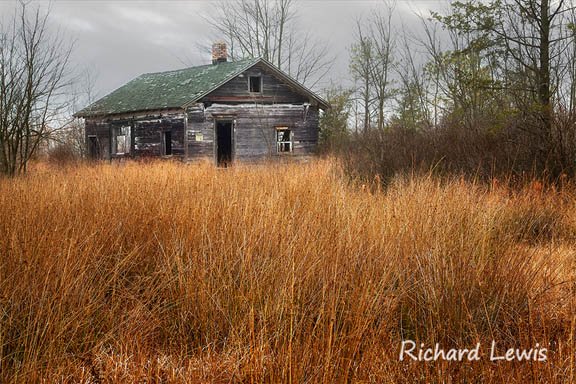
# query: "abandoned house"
[224,111]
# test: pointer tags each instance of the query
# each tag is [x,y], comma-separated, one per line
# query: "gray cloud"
[119,40]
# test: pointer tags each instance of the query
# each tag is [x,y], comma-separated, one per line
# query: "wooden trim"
[156,113]
[185,141]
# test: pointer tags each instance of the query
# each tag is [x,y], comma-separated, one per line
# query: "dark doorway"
[167,143]
[93,147]
[223,143]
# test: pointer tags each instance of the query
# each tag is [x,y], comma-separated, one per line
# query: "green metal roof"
[165,90]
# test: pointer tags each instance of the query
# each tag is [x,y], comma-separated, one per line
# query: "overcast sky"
[119,40]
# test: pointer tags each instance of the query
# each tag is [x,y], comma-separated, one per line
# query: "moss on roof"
[164,90]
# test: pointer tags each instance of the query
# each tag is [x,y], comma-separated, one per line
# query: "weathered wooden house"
[225,111]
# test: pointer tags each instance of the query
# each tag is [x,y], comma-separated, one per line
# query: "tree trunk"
[543,78]
[366,104]
[544,71]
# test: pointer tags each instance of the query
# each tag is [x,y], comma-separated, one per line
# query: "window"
[283,139]
[121,140]
[195,136]
[255,84]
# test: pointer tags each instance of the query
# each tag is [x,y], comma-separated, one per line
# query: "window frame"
[260,84]
[280,143]
[126,132]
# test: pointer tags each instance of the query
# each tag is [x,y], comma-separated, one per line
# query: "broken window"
[255,84]
[121,140]
[283,139]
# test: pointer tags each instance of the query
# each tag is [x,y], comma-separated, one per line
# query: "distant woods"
[486,88]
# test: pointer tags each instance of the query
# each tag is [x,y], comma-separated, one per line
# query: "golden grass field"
[173,273]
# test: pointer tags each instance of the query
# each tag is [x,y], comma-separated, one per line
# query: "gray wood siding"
[146,137]
[273,90]
[254,129]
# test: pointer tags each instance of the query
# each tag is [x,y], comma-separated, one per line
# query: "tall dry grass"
[178,273]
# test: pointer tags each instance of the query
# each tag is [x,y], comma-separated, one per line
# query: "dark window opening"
[223,143]
[167,143]
[283,140]
[255,83]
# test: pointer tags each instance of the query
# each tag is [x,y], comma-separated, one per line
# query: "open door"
[224,142]
[167,143]
[93,148]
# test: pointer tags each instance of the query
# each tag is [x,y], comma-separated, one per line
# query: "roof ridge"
[255,58]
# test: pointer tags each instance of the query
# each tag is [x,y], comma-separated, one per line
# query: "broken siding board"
[149,137]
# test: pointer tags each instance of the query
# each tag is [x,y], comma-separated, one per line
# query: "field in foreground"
[279,273]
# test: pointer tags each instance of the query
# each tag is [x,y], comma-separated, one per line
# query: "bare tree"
[371,63]
[268,29]
[383,41]
[361,59]
[33,76]
[413,94]
[70,137]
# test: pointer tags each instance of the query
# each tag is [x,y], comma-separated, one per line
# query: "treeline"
[485,89]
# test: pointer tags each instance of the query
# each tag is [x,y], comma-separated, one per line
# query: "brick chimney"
[219,52]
